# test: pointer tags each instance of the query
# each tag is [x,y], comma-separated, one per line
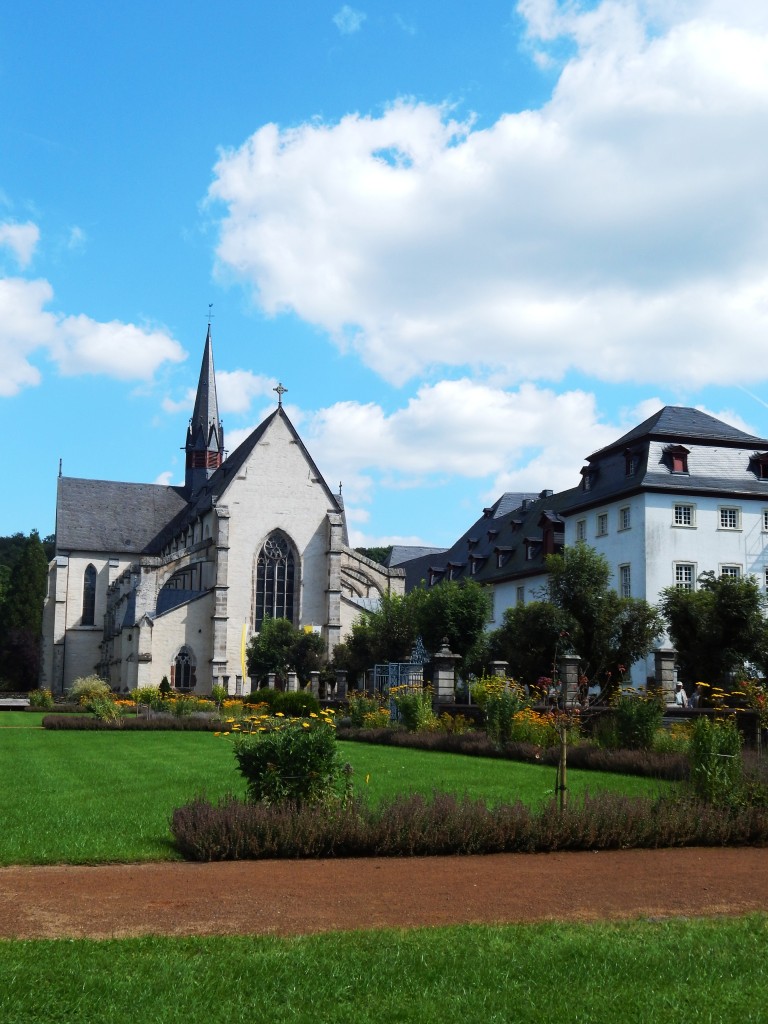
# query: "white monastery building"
[150,581]
[681,494]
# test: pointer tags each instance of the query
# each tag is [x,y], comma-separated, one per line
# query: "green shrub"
[294,703]
[638,718]
[218,694]
[86,688]
[42,700]
[292,761]
[716,763]
[105,709]
[165,686]
[501,700]
[361,705]
[414,707]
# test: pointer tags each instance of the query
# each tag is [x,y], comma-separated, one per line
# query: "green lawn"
[89,797]
[631,973]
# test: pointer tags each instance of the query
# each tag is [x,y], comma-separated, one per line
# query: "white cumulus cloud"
[77,344]
[620,230]
[21,239]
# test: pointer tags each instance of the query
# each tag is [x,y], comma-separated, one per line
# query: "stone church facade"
[150,581]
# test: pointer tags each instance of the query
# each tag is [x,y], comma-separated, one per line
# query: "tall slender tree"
[22,617]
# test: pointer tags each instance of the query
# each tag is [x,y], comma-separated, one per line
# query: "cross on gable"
[280,392]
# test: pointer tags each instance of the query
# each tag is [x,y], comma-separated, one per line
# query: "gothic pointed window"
[275,581]
[89,596]
[183,676]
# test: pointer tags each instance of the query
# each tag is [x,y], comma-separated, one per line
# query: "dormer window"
[455,570]
[502,556]
[677,458]
[435,575]
[471,543]
[631,462]
[759,465]
[475,563]
[588,478]
[492,534]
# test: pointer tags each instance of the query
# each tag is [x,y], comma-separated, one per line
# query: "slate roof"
[512,526]
[106,516]
[215,487]
[681,423]
[718,460]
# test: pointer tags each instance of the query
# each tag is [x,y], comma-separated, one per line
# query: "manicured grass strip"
[89,797]
[630,973]
[22,719]
[394,770]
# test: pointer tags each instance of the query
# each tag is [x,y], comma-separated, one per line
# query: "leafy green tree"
[608,633]
[453,610]
[529,638]
[376,554]
[271,650]
[281,648]
[717,629]
[22,616]
[387,634]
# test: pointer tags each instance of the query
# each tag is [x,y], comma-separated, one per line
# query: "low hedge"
[448,825]
[294,703]
[673,767]
[157,722]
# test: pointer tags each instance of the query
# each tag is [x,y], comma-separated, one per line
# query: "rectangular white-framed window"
[729,517]
[581,528]
[684,515]
[625,581]
[602,524]
[492,604]
[765,520]
[520,595]
[625,517]
[685,575]
[732,572]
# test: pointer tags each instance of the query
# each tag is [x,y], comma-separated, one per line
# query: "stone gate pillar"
[444,676]
[664,659]
[568,665]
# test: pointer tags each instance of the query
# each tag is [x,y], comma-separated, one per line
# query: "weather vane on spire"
[210,314]
[280,392]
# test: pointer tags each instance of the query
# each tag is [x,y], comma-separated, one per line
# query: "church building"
[150,581]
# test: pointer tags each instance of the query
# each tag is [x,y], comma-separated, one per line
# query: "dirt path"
[301,897]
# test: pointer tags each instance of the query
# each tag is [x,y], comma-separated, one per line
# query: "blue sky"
[475,242]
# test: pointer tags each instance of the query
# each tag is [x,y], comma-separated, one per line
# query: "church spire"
[205,434]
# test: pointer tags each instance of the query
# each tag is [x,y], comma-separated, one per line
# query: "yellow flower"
[279,714]
[305,725]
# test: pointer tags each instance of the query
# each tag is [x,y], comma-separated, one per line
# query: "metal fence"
[397,673]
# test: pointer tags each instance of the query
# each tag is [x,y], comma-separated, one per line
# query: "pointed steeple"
[205,434]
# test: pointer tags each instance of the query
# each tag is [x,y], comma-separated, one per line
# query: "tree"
[281,648]
[271,650]
[718,629]
[22,616]
[608,633]
[453,610]
[387,634]
[528,639]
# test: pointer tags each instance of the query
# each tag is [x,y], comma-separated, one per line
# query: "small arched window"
[89,596]
[275,581]
[183,675]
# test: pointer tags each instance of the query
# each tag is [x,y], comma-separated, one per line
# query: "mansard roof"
[510,531]
[718,459]
[107,516]
[680,424]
